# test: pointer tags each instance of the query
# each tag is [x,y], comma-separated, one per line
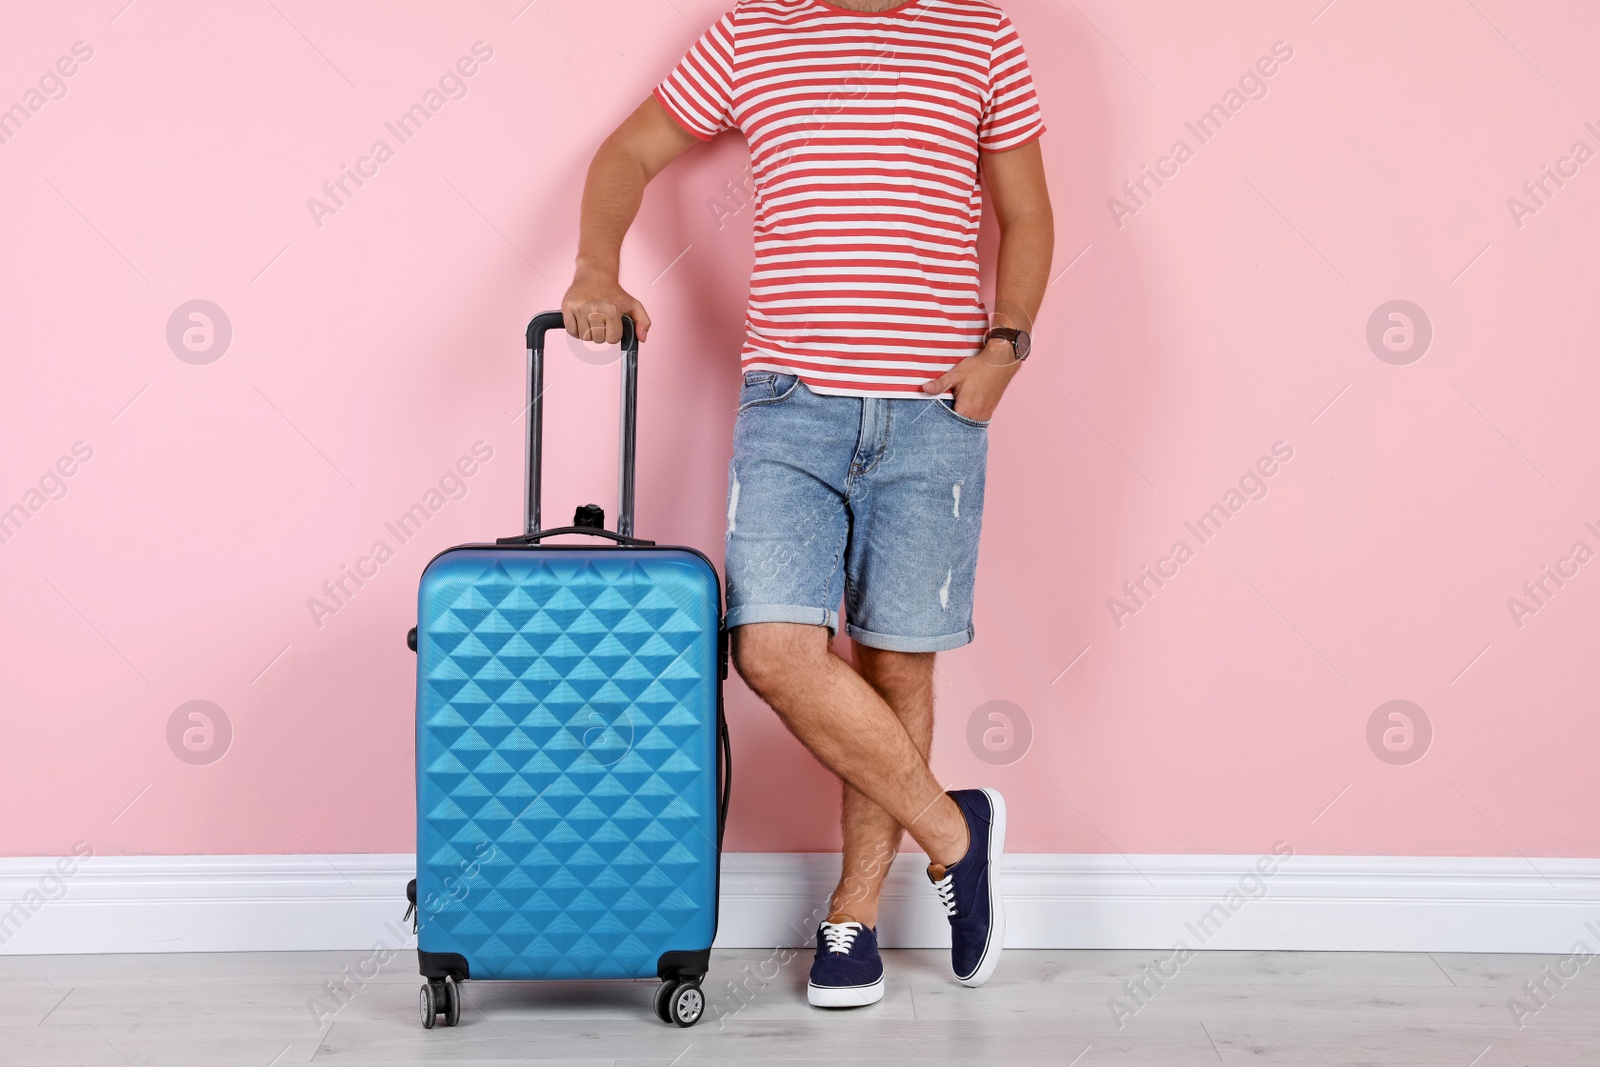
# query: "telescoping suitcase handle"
[589,519]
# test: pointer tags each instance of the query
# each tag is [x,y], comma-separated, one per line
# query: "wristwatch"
[1021,343]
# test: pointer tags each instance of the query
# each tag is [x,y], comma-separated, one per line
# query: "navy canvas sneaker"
[848,972]
[970,889]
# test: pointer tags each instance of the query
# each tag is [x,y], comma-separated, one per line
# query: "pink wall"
[373,347]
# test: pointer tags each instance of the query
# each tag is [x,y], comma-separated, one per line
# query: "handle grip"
[541,325]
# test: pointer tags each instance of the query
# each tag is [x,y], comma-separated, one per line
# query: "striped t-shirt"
[864,133]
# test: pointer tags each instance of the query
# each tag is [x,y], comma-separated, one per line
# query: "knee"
[772,657]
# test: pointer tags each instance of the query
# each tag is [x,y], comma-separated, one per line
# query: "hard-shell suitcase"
[572,758]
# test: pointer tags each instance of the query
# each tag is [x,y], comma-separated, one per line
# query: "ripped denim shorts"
[877,503]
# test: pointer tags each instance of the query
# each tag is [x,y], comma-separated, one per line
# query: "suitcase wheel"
[664,993]
[680,1002]
[427,1006]
[452,1006]
[439,996]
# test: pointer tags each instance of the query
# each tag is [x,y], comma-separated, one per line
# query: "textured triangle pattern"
[566,759]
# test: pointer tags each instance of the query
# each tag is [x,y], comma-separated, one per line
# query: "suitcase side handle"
[725,745]
[541,325]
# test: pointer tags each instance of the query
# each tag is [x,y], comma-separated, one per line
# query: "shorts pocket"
[949,408]
[766,387]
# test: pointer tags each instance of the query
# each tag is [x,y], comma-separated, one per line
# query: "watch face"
[1024,345]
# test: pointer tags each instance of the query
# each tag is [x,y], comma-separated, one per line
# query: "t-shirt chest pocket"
[934,110]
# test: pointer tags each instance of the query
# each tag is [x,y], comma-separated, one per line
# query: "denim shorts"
[875,502]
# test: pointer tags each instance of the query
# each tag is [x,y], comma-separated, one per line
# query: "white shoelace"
[840,936]
[946,888]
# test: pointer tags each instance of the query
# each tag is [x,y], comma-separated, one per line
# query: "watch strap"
[1013,336]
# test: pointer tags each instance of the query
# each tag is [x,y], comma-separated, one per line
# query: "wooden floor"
[1041,1008]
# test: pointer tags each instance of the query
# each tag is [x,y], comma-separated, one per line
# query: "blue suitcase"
[573,762]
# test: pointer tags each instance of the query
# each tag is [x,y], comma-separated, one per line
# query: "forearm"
[611,199]
[596,303]
[1027,241]
[1022,275]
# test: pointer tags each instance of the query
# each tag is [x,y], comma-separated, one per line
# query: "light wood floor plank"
[1221,1008]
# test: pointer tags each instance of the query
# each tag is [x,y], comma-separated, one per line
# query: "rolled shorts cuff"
[891,643]
[745,614]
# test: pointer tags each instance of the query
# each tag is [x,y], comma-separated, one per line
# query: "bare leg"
[871,836]
[851,729]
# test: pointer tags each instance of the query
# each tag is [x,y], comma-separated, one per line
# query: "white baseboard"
[1329,903]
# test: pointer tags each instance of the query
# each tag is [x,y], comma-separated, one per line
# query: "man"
[870,374]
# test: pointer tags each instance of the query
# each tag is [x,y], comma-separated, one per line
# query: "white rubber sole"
[997,905]
[858,996]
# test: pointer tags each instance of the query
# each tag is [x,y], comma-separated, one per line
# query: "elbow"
[618,156]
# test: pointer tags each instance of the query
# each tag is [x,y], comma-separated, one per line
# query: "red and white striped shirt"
[864,133]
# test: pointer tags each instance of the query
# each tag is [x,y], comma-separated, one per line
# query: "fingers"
[595,321]
[600,321]
[641,320]
[592,320]
[941,384]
